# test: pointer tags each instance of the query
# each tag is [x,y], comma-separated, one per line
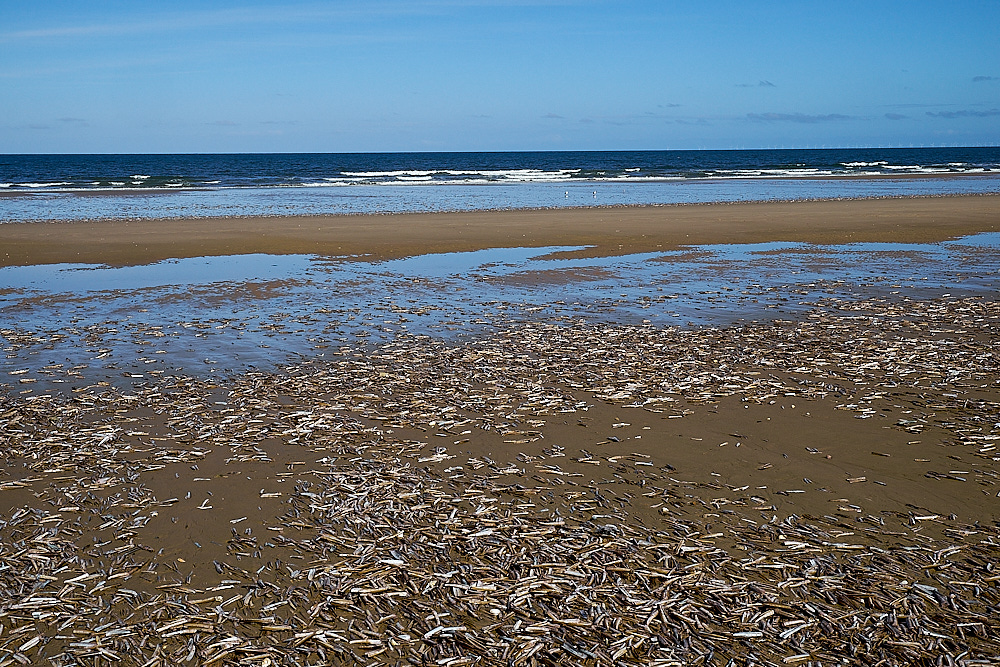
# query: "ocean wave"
[170,173]
[494,177]
[454,177]
[772,173]
[935,169]
[652,178]
[43,185]
[387,174]
[506,175]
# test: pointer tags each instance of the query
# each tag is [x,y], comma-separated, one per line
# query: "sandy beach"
[617,230]
[814,488]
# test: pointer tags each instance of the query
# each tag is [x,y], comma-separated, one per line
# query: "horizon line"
[602,150]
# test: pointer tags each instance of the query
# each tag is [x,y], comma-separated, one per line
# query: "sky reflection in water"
[226,314]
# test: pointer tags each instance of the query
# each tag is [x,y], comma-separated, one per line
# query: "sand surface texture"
[610,230]
[813,488]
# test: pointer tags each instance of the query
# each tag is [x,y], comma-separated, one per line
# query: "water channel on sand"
[226,314]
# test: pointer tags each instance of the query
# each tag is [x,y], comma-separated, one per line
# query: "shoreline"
[613,230]
[117,191]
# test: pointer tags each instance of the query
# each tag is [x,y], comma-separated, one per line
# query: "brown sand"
[610,230]
[548,487]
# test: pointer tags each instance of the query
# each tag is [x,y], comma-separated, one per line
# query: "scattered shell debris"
[557,492]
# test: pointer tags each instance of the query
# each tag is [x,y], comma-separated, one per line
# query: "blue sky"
[105,77]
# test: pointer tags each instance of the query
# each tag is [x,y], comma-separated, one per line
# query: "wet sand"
[610,230]
[817,490]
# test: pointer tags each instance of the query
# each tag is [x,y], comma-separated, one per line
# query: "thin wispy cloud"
[965,113]
[306,13]
[760,84]
[63,31]
[192,20]
[896,116]
[164,24]
[798,117]
[86,67]
[554,116]
[645,118]
[914,105]
[979,79]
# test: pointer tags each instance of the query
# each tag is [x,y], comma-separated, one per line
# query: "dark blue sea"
[62,187]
